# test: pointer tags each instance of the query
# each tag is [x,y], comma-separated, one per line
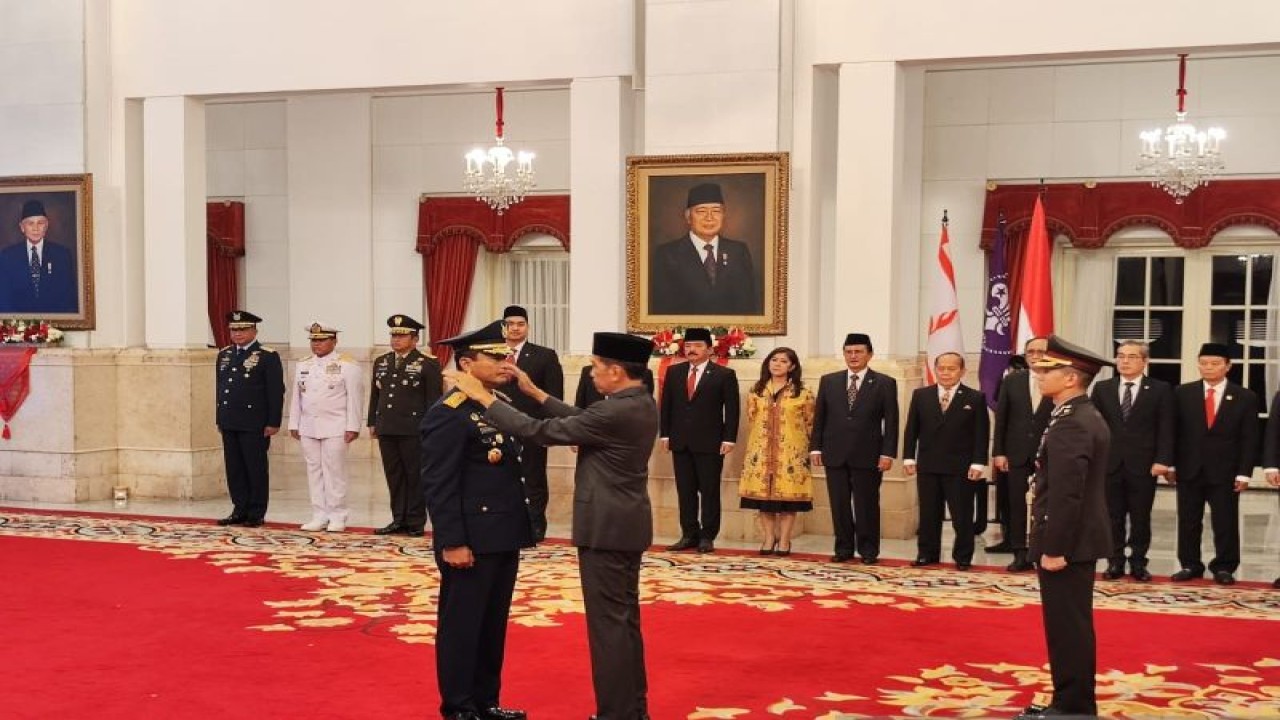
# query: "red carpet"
[150,618]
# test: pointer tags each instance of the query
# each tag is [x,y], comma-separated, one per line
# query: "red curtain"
[448,267]
[225,235]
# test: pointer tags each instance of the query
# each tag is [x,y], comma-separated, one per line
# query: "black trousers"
[857,525]
[248,473]
[1224,513]
[1066,601]
[471,634]
[1001,481]
[611,593]
[1130,496]
[1016,506]
[533,466]
[698,493]
[400,462]
[956,494]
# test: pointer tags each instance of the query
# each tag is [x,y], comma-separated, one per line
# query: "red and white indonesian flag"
[944,312]
[1035,306]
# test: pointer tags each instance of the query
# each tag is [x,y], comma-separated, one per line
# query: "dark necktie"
[709,262]
[853,390]
[399,363]
[1126,402]
[35,270]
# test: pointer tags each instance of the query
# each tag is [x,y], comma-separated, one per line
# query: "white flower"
[673,348]
[55,335]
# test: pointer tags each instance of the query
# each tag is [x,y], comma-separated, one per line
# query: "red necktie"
[693,381]
[1210,412]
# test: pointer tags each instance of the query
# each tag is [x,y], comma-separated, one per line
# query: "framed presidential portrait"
[707,242]
[46,250]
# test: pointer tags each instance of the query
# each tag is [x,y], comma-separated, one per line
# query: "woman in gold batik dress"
[775,476]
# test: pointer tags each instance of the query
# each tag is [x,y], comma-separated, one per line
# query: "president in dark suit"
[405,383]
[1069,524]
[698,426]
[542,364]
[471,477]
[612,517]
[703,273]
[855,437]
[1217,439]
[1139,412]
[945,447]
[37,276]
[250,400]
[1021,416]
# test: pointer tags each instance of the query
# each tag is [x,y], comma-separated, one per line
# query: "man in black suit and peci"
[1217,438]
[37,275]
[703,273]
[855,437]
[1021,416]
[945,447]
[698,426]
[1139,411]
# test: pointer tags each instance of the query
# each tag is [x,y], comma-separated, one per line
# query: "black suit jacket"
[1228,448]
[250,390]
[861,436]
[1147,436]
[1069,510]
[611,509]
[678,283]
[543,366]
[398,399]
[1017,430]
[699,424]
[946,443]
[58,280]
[587,395]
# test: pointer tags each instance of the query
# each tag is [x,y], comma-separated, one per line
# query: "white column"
[875,254]
[173,190]
[330,216]
[600,139]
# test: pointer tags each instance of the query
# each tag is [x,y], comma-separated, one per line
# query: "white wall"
[42,87]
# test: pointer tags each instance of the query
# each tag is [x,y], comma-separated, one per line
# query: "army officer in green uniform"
[480,521]
[405,383]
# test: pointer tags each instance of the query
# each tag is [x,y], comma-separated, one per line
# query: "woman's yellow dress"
[775,474]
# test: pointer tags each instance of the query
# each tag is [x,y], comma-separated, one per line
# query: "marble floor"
[367,497]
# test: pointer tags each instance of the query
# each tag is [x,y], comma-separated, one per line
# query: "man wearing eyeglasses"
[704,273]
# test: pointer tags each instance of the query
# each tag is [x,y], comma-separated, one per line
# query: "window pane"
[1256,339]
[1236,374]
[1227,327]
[1228,280]
[1165,333]
[1168,372]
[1257,376]
[1166,281]
[1131,280]
[1261,289]
[1128,325]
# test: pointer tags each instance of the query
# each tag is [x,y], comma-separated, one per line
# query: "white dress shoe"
[336,526]
[315,525]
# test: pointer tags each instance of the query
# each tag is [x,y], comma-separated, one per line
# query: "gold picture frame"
[744,283]
[63,296]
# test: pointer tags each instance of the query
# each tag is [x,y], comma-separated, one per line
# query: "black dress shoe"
[706,546]
[841,557]
[1001,547]
[1113,572]
[391,529]
[413,532]
[497,713]
[964,565]
[232,519]
[1186,574]
[922,562]
[464,715]
[1032,711]
[1222,577]
[683,543]
[870,561]
[1141,574]
[253,522]
[1019,565]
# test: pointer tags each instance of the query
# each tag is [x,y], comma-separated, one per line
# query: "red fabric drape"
[225,235]
[448,268]
[15,382]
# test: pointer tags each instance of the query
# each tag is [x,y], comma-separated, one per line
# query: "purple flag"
[997,342]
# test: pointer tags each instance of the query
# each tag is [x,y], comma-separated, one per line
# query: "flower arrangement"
[725,343]
[30,332]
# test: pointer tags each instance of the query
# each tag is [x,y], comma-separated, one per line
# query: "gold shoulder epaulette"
[309,357]
[222,350]
[455,399]
[264,348]
[343,357]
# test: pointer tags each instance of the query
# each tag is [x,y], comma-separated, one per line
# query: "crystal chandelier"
[1181,158]
[487,175]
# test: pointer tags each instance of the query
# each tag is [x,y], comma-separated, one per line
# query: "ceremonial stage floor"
[121,616]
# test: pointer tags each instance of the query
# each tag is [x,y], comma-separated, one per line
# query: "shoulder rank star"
[494,456]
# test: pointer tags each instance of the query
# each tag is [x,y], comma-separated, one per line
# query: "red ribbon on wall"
[15,382]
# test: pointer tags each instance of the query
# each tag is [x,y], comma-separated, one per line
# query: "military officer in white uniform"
[325,414]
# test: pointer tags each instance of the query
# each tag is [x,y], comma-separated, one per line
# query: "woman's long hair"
[793,377]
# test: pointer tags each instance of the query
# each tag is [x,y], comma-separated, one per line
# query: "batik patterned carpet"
[144,617]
